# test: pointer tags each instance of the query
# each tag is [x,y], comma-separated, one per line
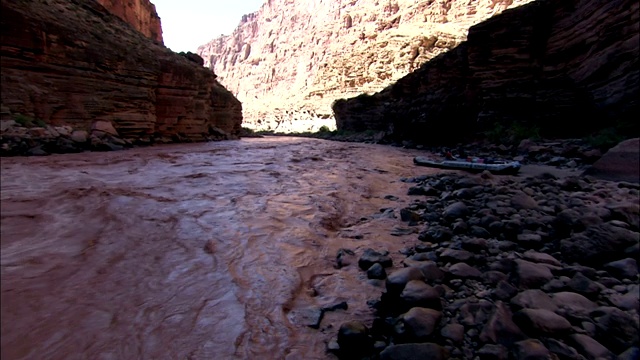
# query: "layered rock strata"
[141,14]
[71,62]
[555,67]
[289,61]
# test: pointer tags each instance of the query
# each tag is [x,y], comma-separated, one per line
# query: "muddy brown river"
[193,251]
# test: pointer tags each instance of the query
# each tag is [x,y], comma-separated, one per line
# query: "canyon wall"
[290,60]
[558,68]
[141,14]
[72,63]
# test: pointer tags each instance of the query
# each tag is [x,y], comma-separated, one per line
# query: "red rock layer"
[70,62]
[141,14]
[564,68]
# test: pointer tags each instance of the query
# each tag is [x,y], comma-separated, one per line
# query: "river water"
[193,251]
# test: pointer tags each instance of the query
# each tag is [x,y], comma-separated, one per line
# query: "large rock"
[620,163]
[288,61]
[540,66]
[598,244]
[71,62]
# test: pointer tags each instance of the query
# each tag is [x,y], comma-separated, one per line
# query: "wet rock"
[418,324]
[530,275]
[455,211]
[371,257]
[531,349]
[425,351]
[590,348]
[464,271]
[534,299]
[376,271]
[493,352]
[615,329]
[397,280]
[353,339]
[344,257]
[308,317]
[410,215]
[500,329]
[419,294]
[453,332]
[541,322]
[623,269]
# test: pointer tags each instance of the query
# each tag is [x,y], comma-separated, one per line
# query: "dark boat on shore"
[471,164]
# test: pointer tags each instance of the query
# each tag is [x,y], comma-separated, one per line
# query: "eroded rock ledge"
[72,63]
[561,68]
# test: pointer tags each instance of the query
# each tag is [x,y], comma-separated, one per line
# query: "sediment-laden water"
[199,251]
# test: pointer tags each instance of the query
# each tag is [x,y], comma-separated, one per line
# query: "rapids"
[193,251]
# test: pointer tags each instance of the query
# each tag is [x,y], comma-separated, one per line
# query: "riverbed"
[194,251]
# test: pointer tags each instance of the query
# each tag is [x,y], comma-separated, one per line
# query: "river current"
[194,251]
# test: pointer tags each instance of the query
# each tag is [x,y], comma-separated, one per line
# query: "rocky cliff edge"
[556,69]
[73,64]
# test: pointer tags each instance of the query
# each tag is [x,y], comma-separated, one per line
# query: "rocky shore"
[505,268]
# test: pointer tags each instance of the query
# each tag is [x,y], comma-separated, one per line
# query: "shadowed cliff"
[72,63]
[559,69]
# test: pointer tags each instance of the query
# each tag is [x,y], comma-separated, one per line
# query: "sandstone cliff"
[559,68]
[290,60]
[71,62]
[141,14]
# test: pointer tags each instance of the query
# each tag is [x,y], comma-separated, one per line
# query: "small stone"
[376,271]
[371,257]
[455,211]
[397,280]
[523,201]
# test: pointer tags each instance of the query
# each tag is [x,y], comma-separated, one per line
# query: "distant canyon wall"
[71,62]
[560,68]
[141,14]
[290,60]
